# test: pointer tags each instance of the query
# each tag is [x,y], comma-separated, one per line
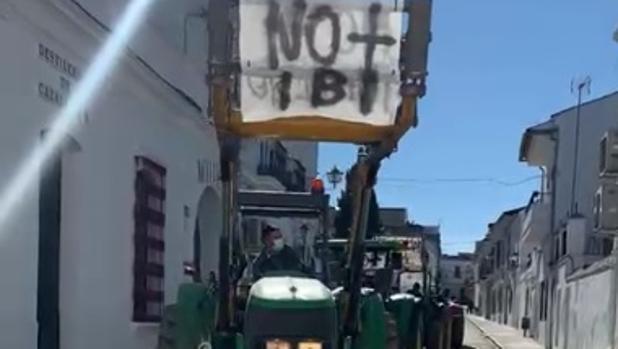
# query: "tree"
[343,219]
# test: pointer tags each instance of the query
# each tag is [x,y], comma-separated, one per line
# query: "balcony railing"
[278,164]
[598,246]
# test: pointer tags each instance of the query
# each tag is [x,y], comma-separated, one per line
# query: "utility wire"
[460,180]
[458,243]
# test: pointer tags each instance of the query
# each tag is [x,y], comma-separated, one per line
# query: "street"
[474,339]
[308,174]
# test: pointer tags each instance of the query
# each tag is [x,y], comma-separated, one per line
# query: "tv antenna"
[579,86]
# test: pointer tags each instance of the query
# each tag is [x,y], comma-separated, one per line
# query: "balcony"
[537,221]
[486,267]
[296,176]
[598,246]
[275,162]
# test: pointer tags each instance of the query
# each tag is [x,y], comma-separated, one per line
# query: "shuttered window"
[149,241]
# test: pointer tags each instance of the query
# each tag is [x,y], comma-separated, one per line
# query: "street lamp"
[335,176]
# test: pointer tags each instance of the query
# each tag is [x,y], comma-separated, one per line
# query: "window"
[564,242]
[544,301]
[603,152]
[608,246]
[527,303]
[457,272]
[252,229]
[149,244]
[264,153]
[557,248]
[597,210]
[542,307]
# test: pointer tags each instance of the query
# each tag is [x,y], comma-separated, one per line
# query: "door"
[48,288]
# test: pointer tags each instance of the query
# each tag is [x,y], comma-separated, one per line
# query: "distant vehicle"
[401,256]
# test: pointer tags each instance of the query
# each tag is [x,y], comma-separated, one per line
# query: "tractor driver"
[275,255]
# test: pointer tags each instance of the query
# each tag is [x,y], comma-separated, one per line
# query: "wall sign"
[50,94]
[207,171]
[56,89]
[319,57]
[58,62]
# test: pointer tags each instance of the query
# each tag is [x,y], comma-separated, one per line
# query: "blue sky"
[496,67]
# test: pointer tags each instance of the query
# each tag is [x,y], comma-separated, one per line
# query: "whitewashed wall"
[161,44]
[19,130]
[449,279]
[108,221]
[596,118]
[589,323]
[135,114]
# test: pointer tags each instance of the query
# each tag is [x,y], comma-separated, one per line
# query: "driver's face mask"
[278,244]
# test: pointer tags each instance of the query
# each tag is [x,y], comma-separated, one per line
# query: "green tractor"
[270,78]
[282,310]
[386,259]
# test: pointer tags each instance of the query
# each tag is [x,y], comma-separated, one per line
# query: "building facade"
[496,269]
[564,266]
[457,276]
[98,244]
[395,222]
[564,233]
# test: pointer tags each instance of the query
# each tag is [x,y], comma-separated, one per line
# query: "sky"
[496,67]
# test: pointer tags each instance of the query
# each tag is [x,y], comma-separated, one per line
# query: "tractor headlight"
[309,345]
[278,344]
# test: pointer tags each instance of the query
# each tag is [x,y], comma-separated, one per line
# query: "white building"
[496,281]
[457,275]
[568,280]
[96,246]
[575,179]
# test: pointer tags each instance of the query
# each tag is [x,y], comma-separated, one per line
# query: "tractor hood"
[290,292]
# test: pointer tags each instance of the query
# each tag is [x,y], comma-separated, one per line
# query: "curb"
[485,334]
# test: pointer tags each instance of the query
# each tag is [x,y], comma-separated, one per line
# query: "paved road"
[474,339]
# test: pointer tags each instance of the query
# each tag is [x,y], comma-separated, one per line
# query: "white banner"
[317,57]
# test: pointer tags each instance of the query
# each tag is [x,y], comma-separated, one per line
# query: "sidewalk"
[503,336]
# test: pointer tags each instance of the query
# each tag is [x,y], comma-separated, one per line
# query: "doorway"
[48,279]
[208,224]
[50,213]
